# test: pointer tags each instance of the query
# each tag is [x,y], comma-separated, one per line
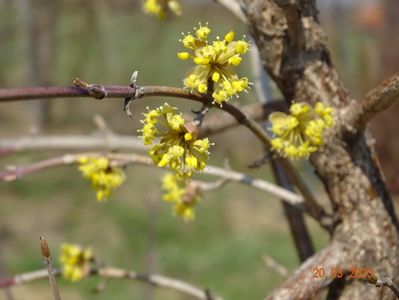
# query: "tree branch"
[15,172]
[377,100]
[70,142]
[114,273]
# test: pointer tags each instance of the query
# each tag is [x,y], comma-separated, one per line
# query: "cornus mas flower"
[160,8]
[103,177]
[215,64]
[75,261]
[301,132]
[173,142]
[183,195]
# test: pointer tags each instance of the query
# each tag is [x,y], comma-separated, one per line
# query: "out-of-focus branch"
[114,273]
[16,172]
[234,7]
[377,100]
[295,217]
[302,284]
[275,266]
[70,142]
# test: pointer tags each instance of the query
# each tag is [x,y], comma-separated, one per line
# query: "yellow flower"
[215,64]
[75,261]
[103,177]
[171,143]
[160,8]
[300,133]
[184,196]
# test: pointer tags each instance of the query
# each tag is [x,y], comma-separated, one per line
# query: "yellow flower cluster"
[75,261]
[172,144]
[178,192]
[301,132]
[215,64]
[160,8]
[103,177]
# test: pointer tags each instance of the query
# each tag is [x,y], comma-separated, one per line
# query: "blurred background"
[50,42]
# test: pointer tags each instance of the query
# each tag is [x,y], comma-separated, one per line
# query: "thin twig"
[47,261]
[70,142]
[295,216]
[7,291]
[115,273]
[211,186]
[275,266]
[16,172]
[379,282]
[255,182]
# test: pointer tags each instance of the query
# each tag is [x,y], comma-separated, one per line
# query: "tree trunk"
[293,50]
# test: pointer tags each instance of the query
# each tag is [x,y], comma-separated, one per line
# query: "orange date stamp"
[341,273]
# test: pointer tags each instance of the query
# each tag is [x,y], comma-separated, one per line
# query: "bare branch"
[114,273]
[295,217]
[211,186]
[110,91]
[254,182]
[275,266]
[217,123]
[70,142]
[377,100]
[15,172]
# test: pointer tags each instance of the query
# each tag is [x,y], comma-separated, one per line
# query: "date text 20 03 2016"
[338,272]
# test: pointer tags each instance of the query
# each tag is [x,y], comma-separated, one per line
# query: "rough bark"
[293,50]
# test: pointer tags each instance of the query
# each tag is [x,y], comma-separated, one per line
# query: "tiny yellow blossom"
[160,8]
[301,132]
[184,196]
[103,177]
[171,144]
[75,261]
[215,64]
